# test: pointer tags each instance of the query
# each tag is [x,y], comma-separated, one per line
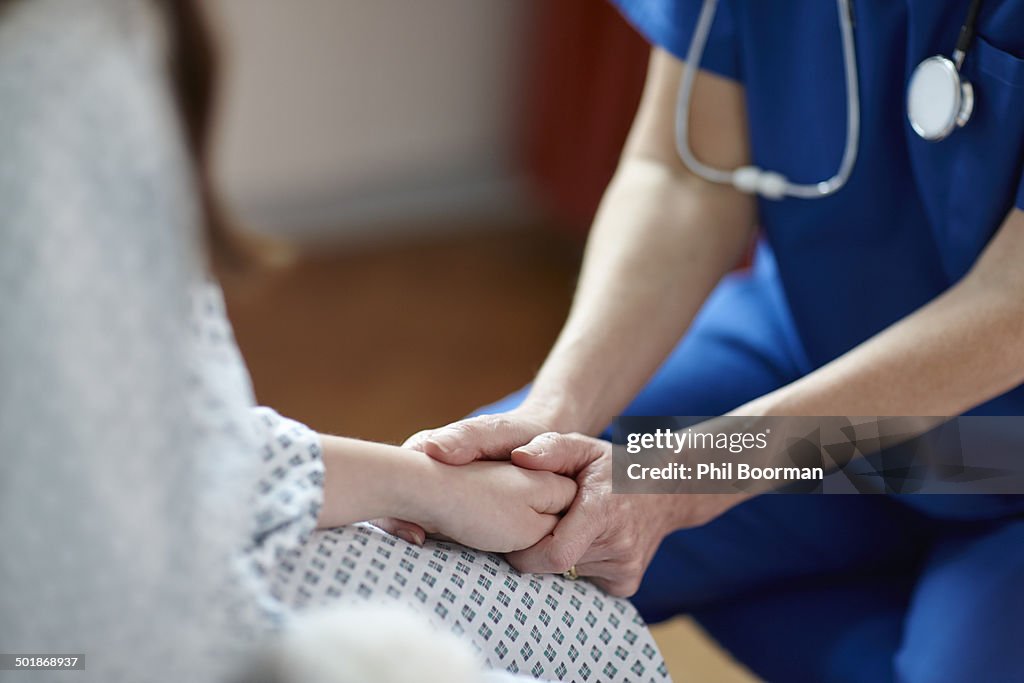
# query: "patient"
[151,516]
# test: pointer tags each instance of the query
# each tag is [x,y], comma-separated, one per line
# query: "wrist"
[418,488]
[364,480]
[771,404]
[555,411]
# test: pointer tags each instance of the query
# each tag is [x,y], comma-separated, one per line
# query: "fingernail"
[409,537]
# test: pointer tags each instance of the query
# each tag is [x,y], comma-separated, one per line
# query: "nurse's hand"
[484,437]
[609,538]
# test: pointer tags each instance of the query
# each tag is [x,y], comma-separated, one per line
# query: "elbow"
[722,210]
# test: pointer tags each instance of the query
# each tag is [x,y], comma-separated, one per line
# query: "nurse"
[898,290]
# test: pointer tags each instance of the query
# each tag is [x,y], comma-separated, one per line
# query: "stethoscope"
[939,100]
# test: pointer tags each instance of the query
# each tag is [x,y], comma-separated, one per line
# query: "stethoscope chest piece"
[939,100]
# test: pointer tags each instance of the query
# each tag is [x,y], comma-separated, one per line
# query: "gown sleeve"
[669,24]
[283,488]
[289,488]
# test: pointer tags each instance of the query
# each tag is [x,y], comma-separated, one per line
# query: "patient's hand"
[492,506]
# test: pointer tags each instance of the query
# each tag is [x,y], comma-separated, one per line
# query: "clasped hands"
[545,499]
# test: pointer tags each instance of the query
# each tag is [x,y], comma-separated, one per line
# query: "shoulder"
[672,24]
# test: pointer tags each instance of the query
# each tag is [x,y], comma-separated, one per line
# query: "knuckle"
[460,433]
[628,587]
[494,428]
[463,427]
[501,423]
[548,440]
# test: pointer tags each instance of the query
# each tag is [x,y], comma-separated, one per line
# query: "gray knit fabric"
[113,505]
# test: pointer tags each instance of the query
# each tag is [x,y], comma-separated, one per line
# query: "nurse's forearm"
[659,245]
[661,240]
[960,350]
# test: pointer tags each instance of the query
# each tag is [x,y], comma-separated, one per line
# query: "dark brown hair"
[193,76]
[194,72]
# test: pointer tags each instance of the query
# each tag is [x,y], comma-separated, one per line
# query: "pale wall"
[340,115]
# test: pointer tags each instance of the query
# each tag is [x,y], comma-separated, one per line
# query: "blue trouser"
[828,588]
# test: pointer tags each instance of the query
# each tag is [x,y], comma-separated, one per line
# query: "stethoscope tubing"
[742,177]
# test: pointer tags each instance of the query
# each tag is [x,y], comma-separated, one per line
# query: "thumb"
[566,454]
[484,437]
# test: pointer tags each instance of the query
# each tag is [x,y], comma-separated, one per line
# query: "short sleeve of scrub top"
[999,57]
[669,24]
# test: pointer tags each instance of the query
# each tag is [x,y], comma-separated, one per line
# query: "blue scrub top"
[915,215]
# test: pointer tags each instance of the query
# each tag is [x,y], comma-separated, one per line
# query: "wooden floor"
[379,342]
